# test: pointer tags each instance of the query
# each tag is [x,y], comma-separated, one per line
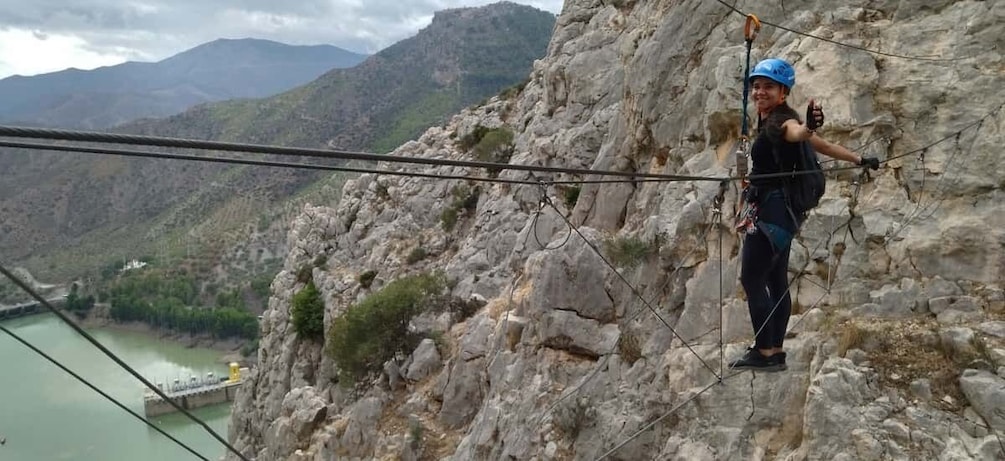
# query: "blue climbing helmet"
[775,69]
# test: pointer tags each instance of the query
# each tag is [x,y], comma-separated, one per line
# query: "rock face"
[578,356]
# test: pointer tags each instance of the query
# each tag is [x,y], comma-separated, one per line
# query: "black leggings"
[764,275]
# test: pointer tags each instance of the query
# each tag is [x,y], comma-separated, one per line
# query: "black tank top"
[770,137]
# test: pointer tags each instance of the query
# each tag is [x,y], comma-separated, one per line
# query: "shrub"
[308,313]
[489,145]
[383,192]
[495,146]
[473,138]
[231,299]
[629,348]
[376,329]
[448,218]
[305,274]
[78,304]
[366,278]
[570,195]
[627,251]
[460,308]
[465,200]
[415,431]
[514,90]
[417,254]
[852,336]
[261,286]
[320,260]
[574,415]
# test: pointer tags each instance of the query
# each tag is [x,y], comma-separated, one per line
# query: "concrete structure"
[196,393]
[34,307]
[189,399]
[13,312]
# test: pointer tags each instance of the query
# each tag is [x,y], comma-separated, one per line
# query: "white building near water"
[134,264]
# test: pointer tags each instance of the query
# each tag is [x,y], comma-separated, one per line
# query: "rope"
[76,148]
[673,410]
[952,135]
[921,195]
[93,136]
[239,161]
[846,45]
[634,290]
[936,203]
[17,281]
[941,191]
[750,30]
[533,225]
[361,156]
[723,376]
[596,370]
[87,136]
[717,216]
[99,391]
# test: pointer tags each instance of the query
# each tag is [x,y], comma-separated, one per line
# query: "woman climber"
[765,255]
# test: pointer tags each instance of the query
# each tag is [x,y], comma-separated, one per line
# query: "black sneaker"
[779,358]
[753,360]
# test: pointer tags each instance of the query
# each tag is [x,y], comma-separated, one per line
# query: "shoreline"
[229,349]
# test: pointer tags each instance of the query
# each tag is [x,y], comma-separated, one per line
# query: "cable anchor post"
[543,188]
[719,199]
[921,160]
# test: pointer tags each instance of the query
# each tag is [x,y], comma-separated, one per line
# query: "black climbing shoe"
[753,360]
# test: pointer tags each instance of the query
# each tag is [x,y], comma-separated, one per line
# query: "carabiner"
[751,28]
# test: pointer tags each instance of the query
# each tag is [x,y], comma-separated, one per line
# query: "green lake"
[46,414]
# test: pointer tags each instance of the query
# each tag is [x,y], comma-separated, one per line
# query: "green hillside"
[70,215]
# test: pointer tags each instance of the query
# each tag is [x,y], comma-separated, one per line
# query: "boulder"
[986,393]
[568,331]
[425,360]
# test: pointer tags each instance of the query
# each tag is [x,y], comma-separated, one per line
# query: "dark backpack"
[804,189]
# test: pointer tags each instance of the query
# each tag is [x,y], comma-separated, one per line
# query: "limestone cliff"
[898,338]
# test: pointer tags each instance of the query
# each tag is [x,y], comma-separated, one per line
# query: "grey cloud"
[155,29]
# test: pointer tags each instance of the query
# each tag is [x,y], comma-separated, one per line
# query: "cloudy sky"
[38,36]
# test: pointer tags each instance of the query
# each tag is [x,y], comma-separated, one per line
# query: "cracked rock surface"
[896,347]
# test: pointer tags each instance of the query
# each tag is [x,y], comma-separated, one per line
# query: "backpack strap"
[785,186]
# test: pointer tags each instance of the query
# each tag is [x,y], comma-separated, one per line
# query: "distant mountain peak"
[498,8]
[225,68]
[257,48]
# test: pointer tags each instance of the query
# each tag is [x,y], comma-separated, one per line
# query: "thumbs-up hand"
[814,115]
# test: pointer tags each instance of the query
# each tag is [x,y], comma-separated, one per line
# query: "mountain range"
[215,71]
[67,214]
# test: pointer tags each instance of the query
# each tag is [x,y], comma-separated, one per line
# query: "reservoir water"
[46,414]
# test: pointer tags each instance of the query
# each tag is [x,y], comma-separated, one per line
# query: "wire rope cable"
[87,383]
[631,318]
[931,58]
[20,283]
[631,287]
[93,136]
